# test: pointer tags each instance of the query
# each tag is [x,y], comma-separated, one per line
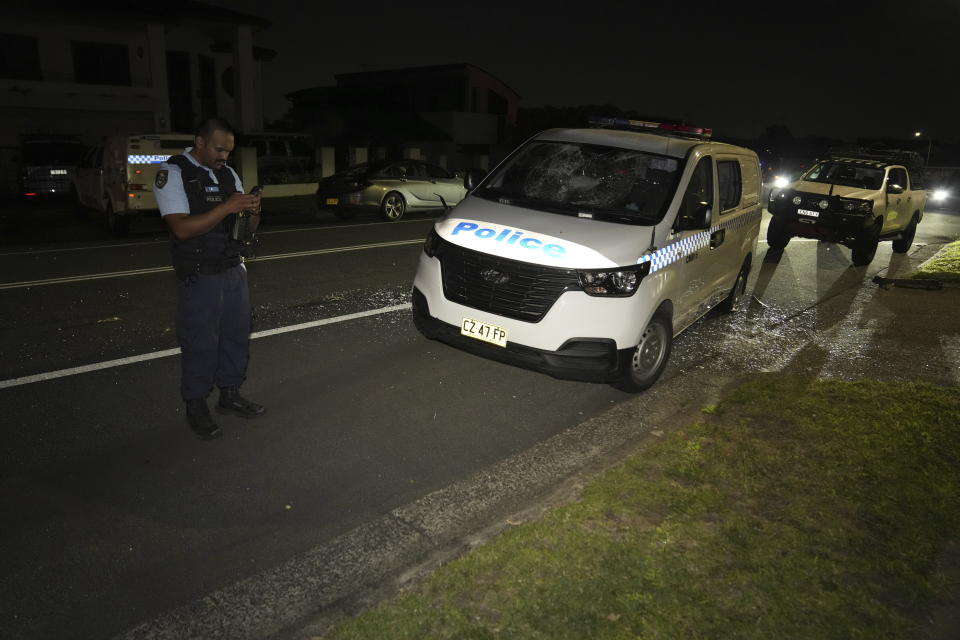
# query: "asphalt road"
[112,513]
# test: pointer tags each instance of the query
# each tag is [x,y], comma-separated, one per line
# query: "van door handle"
[716,238]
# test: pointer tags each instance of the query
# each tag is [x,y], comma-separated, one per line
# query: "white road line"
[138,272]
[62,373]
[268,232]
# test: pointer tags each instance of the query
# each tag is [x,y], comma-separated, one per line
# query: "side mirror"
[894,188]
[472,178]
[699,218]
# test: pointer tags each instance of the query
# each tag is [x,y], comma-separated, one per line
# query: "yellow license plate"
[483,331]
[333,201]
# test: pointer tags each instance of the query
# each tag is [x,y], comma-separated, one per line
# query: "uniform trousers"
[213,328]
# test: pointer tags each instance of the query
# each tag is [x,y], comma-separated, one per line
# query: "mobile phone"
[256,190]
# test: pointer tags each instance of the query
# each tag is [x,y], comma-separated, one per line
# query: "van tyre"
[119,224]
[393,206]
[865,246]
[642,366]
[777,234]
[733,299]
[905,241]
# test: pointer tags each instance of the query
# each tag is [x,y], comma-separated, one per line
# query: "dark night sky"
[842,69]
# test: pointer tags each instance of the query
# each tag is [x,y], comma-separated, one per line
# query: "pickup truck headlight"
[619,282]
[853,205]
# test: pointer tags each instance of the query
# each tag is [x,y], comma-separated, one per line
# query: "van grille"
[510,288]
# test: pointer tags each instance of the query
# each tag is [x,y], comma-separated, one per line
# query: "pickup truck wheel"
[777,234]
[642,366]
[119,224]
[733,299]
[905,241]
[865,246]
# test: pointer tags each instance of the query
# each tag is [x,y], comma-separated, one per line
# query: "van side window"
[699,192]
[729,181]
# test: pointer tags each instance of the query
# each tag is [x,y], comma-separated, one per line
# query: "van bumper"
[582,359]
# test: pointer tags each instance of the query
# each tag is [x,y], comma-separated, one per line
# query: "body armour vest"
[213,251]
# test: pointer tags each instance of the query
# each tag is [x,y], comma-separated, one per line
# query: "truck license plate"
[807,212]
[483,331]
[333,201]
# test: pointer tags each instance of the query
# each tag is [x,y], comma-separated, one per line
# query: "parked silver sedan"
[392,188]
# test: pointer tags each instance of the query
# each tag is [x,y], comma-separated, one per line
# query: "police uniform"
[213,311]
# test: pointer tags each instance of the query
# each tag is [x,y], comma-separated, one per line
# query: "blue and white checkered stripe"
[147,159]
[669,254]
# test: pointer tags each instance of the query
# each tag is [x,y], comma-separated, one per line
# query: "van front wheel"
[642,366]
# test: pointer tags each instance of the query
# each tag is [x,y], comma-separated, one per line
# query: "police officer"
[199,197]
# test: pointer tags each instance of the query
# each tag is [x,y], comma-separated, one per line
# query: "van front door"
[689,279]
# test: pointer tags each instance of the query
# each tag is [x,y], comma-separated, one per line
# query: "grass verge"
[943,266]
[794,509]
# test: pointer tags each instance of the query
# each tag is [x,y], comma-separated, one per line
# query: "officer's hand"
[242,202]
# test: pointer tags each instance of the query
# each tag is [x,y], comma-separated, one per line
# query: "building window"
[19,57]
[496,103]
[101,63]
[208,86]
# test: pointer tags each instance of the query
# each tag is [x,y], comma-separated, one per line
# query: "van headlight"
[620,282]
[430,243]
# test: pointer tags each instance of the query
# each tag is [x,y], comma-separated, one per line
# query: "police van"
[116,178]
[586,251]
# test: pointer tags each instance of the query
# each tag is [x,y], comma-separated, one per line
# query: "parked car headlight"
[780,182]
[613,282]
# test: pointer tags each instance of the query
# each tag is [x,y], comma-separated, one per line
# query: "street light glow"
[917,134]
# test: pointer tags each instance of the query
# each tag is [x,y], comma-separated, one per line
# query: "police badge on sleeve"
[161,179]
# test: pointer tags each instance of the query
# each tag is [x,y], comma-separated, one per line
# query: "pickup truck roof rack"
[911,159]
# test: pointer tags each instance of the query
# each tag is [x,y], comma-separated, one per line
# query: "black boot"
[198,415]
[232,402]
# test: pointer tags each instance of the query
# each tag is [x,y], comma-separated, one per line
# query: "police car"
[586,251]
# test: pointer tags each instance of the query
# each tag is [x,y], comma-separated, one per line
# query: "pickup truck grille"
[510,288]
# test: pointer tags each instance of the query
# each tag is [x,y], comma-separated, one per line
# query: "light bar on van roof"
[147,159]
[645,125]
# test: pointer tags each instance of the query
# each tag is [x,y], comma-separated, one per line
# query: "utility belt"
[186,271]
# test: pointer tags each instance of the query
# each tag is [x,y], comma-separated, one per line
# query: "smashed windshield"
[847,174]
[609,183]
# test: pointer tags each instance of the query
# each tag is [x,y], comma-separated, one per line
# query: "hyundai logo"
[494,276]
